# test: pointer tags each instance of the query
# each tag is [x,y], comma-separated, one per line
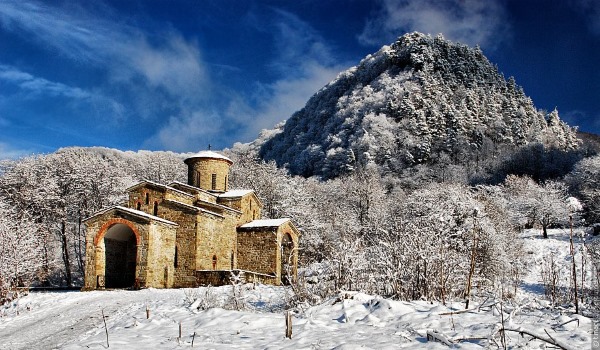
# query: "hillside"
[410,102]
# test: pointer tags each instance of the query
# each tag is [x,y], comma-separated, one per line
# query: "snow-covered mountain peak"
[409,102]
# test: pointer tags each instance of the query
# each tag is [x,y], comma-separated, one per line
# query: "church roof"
[265,223]
[209,154]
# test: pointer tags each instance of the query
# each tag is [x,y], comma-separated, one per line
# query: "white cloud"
[286,96]
[183,133]
[472,22]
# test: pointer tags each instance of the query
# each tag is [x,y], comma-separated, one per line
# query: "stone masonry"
[185,235]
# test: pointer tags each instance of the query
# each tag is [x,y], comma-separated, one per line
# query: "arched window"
[147,198]
[214,181]
[138,206]
[232,260]
[175,262]
[214,262]
[155,212]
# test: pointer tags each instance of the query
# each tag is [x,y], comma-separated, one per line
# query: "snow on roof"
[209,154]
[235,193]
[138,213]
[265,223]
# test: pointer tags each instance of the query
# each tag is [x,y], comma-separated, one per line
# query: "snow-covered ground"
[73,320]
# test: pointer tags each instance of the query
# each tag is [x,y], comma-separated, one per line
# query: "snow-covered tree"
[585,181]
[21,249]
[544,204]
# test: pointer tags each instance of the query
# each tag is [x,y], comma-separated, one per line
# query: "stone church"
[189,234]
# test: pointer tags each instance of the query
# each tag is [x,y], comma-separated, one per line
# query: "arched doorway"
[120,251]
[287,258]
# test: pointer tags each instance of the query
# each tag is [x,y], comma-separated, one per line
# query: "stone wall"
[185,244]
[216,238]
[248,205]
[143,199]
[161,254]
[257,251]
[180,197]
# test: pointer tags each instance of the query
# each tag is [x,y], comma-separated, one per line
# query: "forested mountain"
[418,101]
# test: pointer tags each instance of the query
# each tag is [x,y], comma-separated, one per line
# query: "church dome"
[209,170]
[208,155]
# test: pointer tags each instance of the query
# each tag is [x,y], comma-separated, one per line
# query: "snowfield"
[73,320]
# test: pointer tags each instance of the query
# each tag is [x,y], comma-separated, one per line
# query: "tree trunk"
[65,253]
[545,230]
[80,250]
[573,265]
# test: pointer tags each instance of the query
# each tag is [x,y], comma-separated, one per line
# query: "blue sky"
[181,74]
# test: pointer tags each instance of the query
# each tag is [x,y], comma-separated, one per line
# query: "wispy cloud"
[304,64]
[168,63]
[472,22]
[31,87]
[37,85]
[591,11]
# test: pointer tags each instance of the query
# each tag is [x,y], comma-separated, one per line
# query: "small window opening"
[214,181]
[214,262]
[232,260]
[197,179]
[138,206]
[225,188]
[155,209]
[175,262]
[147,198]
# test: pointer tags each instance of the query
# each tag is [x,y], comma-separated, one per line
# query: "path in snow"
[71,315]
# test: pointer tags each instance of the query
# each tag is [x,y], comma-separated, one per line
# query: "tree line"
[408,237]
